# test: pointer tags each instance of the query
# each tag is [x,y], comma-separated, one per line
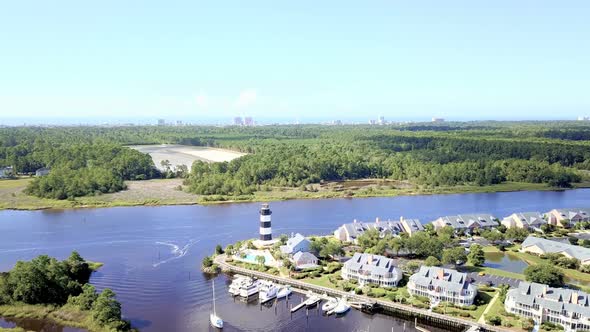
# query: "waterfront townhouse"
[351,231]
[411,226]
[567,307]
[526,220]
[372,269]
[543,246]
[467,222]
[567,217]
[295,244]
[442,285]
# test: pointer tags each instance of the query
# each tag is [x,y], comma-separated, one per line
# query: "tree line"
[94,160]
[45,280]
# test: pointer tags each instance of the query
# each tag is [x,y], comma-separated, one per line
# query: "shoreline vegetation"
[58,291]
[167,192]
[94,166]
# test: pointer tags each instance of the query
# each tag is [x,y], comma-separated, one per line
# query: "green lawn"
[534,260]
[486,296]
[492,271]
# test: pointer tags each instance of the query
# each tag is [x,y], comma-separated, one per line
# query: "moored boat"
[267,291]
[284,292]
[330,304]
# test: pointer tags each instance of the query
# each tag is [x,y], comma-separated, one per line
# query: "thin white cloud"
[246,98]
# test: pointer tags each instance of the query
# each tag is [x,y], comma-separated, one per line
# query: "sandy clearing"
[185,155]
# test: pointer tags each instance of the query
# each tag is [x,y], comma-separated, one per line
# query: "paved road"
[494,280]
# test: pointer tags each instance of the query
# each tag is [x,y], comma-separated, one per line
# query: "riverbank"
[162,192]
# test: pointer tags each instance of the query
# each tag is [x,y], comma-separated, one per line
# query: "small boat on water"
[215,320]
[267,291]
[330,304]
[341,308]
[249,288]
[237,283]
[312,300]
[284,292]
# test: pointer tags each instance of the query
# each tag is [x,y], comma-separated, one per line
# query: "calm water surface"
[152,254]
[506,262]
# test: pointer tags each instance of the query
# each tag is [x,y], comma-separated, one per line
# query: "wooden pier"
[421,316]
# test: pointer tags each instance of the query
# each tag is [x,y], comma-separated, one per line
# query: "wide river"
[152,254]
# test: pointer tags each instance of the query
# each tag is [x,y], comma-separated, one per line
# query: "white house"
[351,231]
[567,307]
[372,269]
[304,260]
[442,285]
[6,172]
[42,171]
[295,244]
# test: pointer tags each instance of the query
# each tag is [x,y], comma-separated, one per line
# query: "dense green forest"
[93,160]
[45,280]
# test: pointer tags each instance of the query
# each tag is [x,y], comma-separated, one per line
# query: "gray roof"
[550,246]
[305,255]
[292,242]
[447,279]
[414,224]
[375,264]
[529,218]
[463,221]
[555,299]
[570,213]
[355,229]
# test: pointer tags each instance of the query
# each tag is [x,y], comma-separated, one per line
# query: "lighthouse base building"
[265,239]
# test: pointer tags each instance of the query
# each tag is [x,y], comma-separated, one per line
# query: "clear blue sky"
[501,59]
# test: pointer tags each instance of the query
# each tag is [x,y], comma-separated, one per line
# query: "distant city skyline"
[207,62]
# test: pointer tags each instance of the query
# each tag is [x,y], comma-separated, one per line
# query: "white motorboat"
[312,300]
[234,287]
[341,308]
[284,292]
[215,320]
[250,288]
[330,304]
[267,291]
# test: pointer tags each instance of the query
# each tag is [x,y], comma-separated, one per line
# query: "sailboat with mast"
[213,318]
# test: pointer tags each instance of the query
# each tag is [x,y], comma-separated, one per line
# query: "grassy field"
[65,316]
[170,192]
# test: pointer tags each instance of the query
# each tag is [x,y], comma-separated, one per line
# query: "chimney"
[354,221]
[545,290]
[401,218]
[440,274]
[575,298]
[377,220]
[370,259]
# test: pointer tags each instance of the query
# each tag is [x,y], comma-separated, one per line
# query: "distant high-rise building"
[248,121]
[372,122]
[382,120]
[161,122]
[438,120]
[179,123]
[238,121]
[584,118]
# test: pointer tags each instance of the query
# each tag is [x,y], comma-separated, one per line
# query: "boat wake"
[176,251]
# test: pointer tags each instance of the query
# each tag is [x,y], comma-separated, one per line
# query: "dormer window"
[448,224]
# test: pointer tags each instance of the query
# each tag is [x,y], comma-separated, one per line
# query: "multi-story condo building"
[442,285]
[372,269]
[527,220]
[351,231]
[567,217]
[541,246]
[466,222]
[567,307]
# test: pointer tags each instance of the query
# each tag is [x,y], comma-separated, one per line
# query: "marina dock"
[421,316]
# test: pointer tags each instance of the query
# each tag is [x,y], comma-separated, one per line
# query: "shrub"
[358,291]
[494,320]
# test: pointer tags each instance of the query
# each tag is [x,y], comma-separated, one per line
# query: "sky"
[293,60]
